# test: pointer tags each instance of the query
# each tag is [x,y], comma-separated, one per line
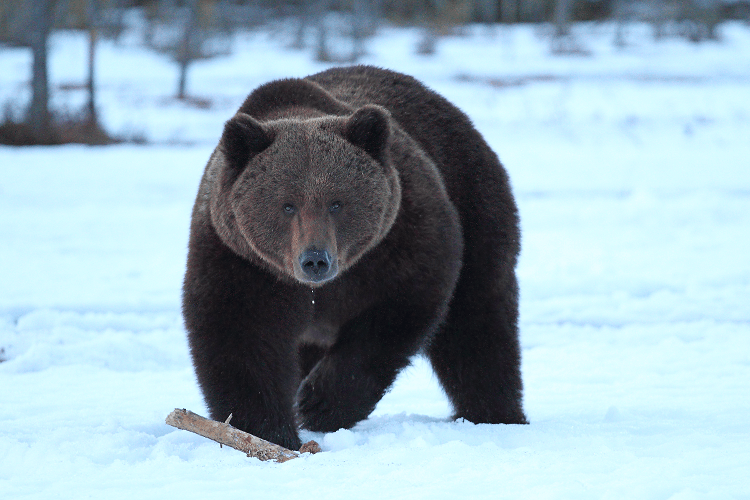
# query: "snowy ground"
[632,172]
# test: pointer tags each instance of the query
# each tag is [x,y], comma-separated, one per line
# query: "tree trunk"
[187,50]
[363,20]
[91,107]
[562,18]
[320,8]
[509,11]
[38,114]
[181,86]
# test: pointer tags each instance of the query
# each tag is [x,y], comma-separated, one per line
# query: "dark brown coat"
[346,222]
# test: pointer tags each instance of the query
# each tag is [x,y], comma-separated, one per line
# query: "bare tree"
[364,18]
[187,50]
[40,26]
[360,21]
[192,30]
[311,15]
[319,10]
[30,23]
[509,11]
[563,10]
[562,40]
[440,17]
[695,20]
[534,11]
[429,21]
[703,18]
[92,17]
[304,20]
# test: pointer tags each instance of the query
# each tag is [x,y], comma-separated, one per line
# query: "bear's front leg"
[257,388]
[242,326]
[347,383]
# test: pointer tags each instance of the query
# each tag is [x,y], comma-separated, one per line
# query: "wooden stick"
[223,433]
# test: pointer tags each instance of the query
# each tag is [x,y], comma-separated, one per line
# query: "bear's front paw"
[315,411]
[327,402]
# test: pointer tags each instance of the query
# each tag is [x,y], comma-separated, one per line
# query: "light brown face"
[312,203]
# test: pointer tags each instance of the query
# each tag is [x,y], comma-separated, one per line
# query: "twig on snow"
[223,433]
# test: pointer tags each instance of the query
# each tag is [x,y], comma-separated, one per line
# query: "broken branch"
[223,433]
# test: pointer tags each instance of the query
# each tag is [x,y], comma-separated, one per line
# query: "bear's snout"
[317,265]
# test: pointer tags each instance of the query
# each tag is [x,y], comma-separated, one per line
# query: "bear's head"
[309,196]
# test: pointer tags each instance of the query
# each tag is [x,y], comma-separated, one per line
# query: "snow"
[631,172]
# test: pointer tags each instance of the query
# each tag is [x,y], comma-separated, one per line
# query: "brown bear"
[346,222]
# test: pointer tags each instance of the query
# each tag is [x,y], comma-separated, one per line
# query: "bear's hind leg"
[476,353]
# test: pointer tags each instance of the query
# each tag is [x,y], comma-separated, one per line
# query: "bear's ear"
[370,129]
[243,138]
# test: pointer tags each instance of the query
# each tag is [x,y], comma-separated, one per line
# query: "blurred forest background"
[189,30]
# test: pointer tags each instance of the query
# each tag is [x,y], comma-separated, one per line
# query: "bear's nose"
[315,263]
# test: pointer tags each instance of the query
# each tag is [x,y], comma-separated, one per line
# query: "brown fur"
[345,222]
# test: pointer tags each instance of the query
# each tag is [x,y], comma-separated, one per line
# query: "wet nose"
[315,263]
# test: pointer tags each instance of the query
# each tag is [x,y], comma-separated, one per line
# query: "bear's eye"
[335,207]
[289,209]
